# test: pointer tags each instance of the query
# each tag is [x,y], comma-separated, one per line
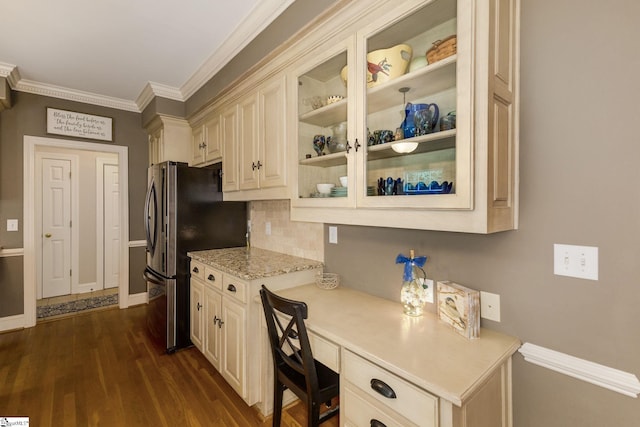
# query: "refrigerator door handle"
[151,236]
[149,276]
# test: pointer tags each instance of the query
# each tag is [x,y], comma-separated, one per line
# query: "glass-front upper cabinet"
[413,154]
[428,93]
[324,129]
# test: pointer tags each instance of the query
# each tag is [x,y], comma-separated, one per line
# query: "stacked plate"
[339,192]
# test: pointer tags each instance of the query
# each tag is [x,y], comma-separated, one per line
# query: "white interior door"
[111,226]
[56,227]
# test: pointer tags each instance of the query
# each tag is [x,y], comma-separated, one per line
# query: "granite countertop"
[253,263]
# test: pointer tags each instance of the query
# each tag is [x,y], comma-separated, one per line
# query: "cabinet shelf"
[327,115]
[328,160]
[426,81]
[426,143]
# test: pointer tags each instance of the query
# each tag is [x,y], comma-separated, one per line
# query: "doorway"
[115,165]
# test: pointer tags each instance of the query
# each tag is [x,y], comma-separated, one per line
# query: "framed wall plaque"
[71,123]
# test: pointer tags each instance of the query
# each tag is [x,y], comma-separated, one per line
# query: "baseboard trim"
[138,299]
[11,322]
[594,373]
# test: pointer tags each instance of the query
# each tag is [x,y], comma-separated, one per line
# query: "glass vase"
[413,295]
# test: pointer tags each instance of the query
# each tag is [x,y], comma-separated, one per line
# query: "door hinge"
[70,224]
[70,273]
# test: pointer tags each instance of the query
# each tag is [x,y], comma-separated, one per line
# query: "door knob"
[47,235]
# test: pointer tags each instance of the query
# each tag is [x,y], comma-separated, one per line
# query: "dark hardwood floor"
[100,369]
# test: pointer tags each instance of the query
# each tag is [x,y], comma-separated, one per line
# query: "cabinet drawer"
[235,288]
[213,277]
[413,403]
[325,351]
[197,270]
[359,411]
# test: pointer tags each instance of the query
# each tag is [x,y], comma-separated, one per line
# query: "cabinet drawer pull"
[215,319]
[377,423]
[231,288]
[383,388]
[195,270]
[357,145]
[198,306]
[348,147]
[220,323]
[211,278]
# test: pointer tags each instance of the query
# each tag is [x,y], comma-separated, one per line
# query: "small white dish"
[324,188]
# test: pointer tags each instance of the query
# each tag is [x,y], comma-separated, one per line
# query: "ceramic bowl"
[343,181]
[324,188]
[385,64]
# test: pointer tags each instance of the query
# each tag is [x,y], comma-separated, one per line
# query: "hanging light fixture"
[404,147]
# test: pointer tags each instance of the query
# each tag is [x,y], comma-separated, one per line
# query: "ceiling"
[121,53]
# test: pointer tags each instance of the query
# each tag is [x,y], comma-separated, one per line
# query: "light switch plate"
[12,225]
[575,261]
[333,234]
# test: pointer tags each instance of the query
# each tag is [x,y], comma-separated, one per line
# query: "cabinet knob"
[215,319]
[198,306]
[357,145]
[348,147]
[211,278]
[259,164]
[220,323]
[231,288]
[383,388]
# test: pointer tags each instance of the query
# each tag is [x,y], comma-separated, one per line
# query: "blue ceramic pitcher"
[424,112]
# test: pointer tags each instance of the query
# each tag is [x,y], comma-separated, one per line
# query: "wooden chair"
[293,364]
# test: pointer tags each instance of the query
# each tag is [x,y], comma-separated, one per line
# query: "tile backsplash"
[303,239]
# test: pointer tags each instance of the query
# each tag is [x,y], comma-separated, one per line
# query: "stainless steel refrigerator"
[184,212]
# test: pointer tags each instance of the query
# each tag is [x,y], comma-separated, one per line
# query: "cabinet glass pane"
[322,129]
[410,105]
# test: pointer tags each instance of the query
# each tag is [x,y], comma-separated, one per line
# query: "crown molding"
[263,14]
[594,373]
[152,89]
[53,91]
[10,72]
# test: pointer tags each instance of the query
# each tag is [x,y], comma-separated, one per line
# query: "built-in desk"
[439,377]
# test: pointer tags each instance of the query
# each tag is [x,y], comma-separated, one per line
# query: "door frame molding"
[75,232]
[29,226]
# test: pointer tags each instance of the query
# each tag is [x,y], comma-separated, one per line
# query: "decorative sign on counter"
[70,123]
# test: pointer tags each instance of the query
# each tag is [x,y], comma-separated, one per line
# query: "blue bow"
[408,263]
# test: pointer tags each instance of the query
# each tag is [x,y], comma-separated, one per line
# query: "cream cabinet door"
[273,141]
[229,129]
[249,162]
[196,294]
[234,345]
[212,139]
[212,328]
[197,145]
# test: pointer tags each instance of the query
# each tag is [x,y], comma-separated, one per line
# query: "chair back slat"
[282,338]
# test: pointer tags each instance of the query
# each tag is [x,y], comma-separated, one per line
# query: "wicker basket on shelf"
[327,280]
[442,49]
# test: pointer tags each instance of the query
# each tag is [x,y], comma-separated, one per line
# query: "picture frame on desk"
[459,307]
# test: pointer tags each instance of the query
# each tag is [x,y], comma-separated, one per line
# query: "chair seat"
[328,380]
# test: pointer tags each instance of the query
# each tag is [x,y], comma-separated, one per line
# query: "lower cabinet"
[225,323]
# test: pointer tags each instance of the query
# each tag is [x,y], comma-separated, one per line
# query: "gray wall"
[579,153]
[27,116]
